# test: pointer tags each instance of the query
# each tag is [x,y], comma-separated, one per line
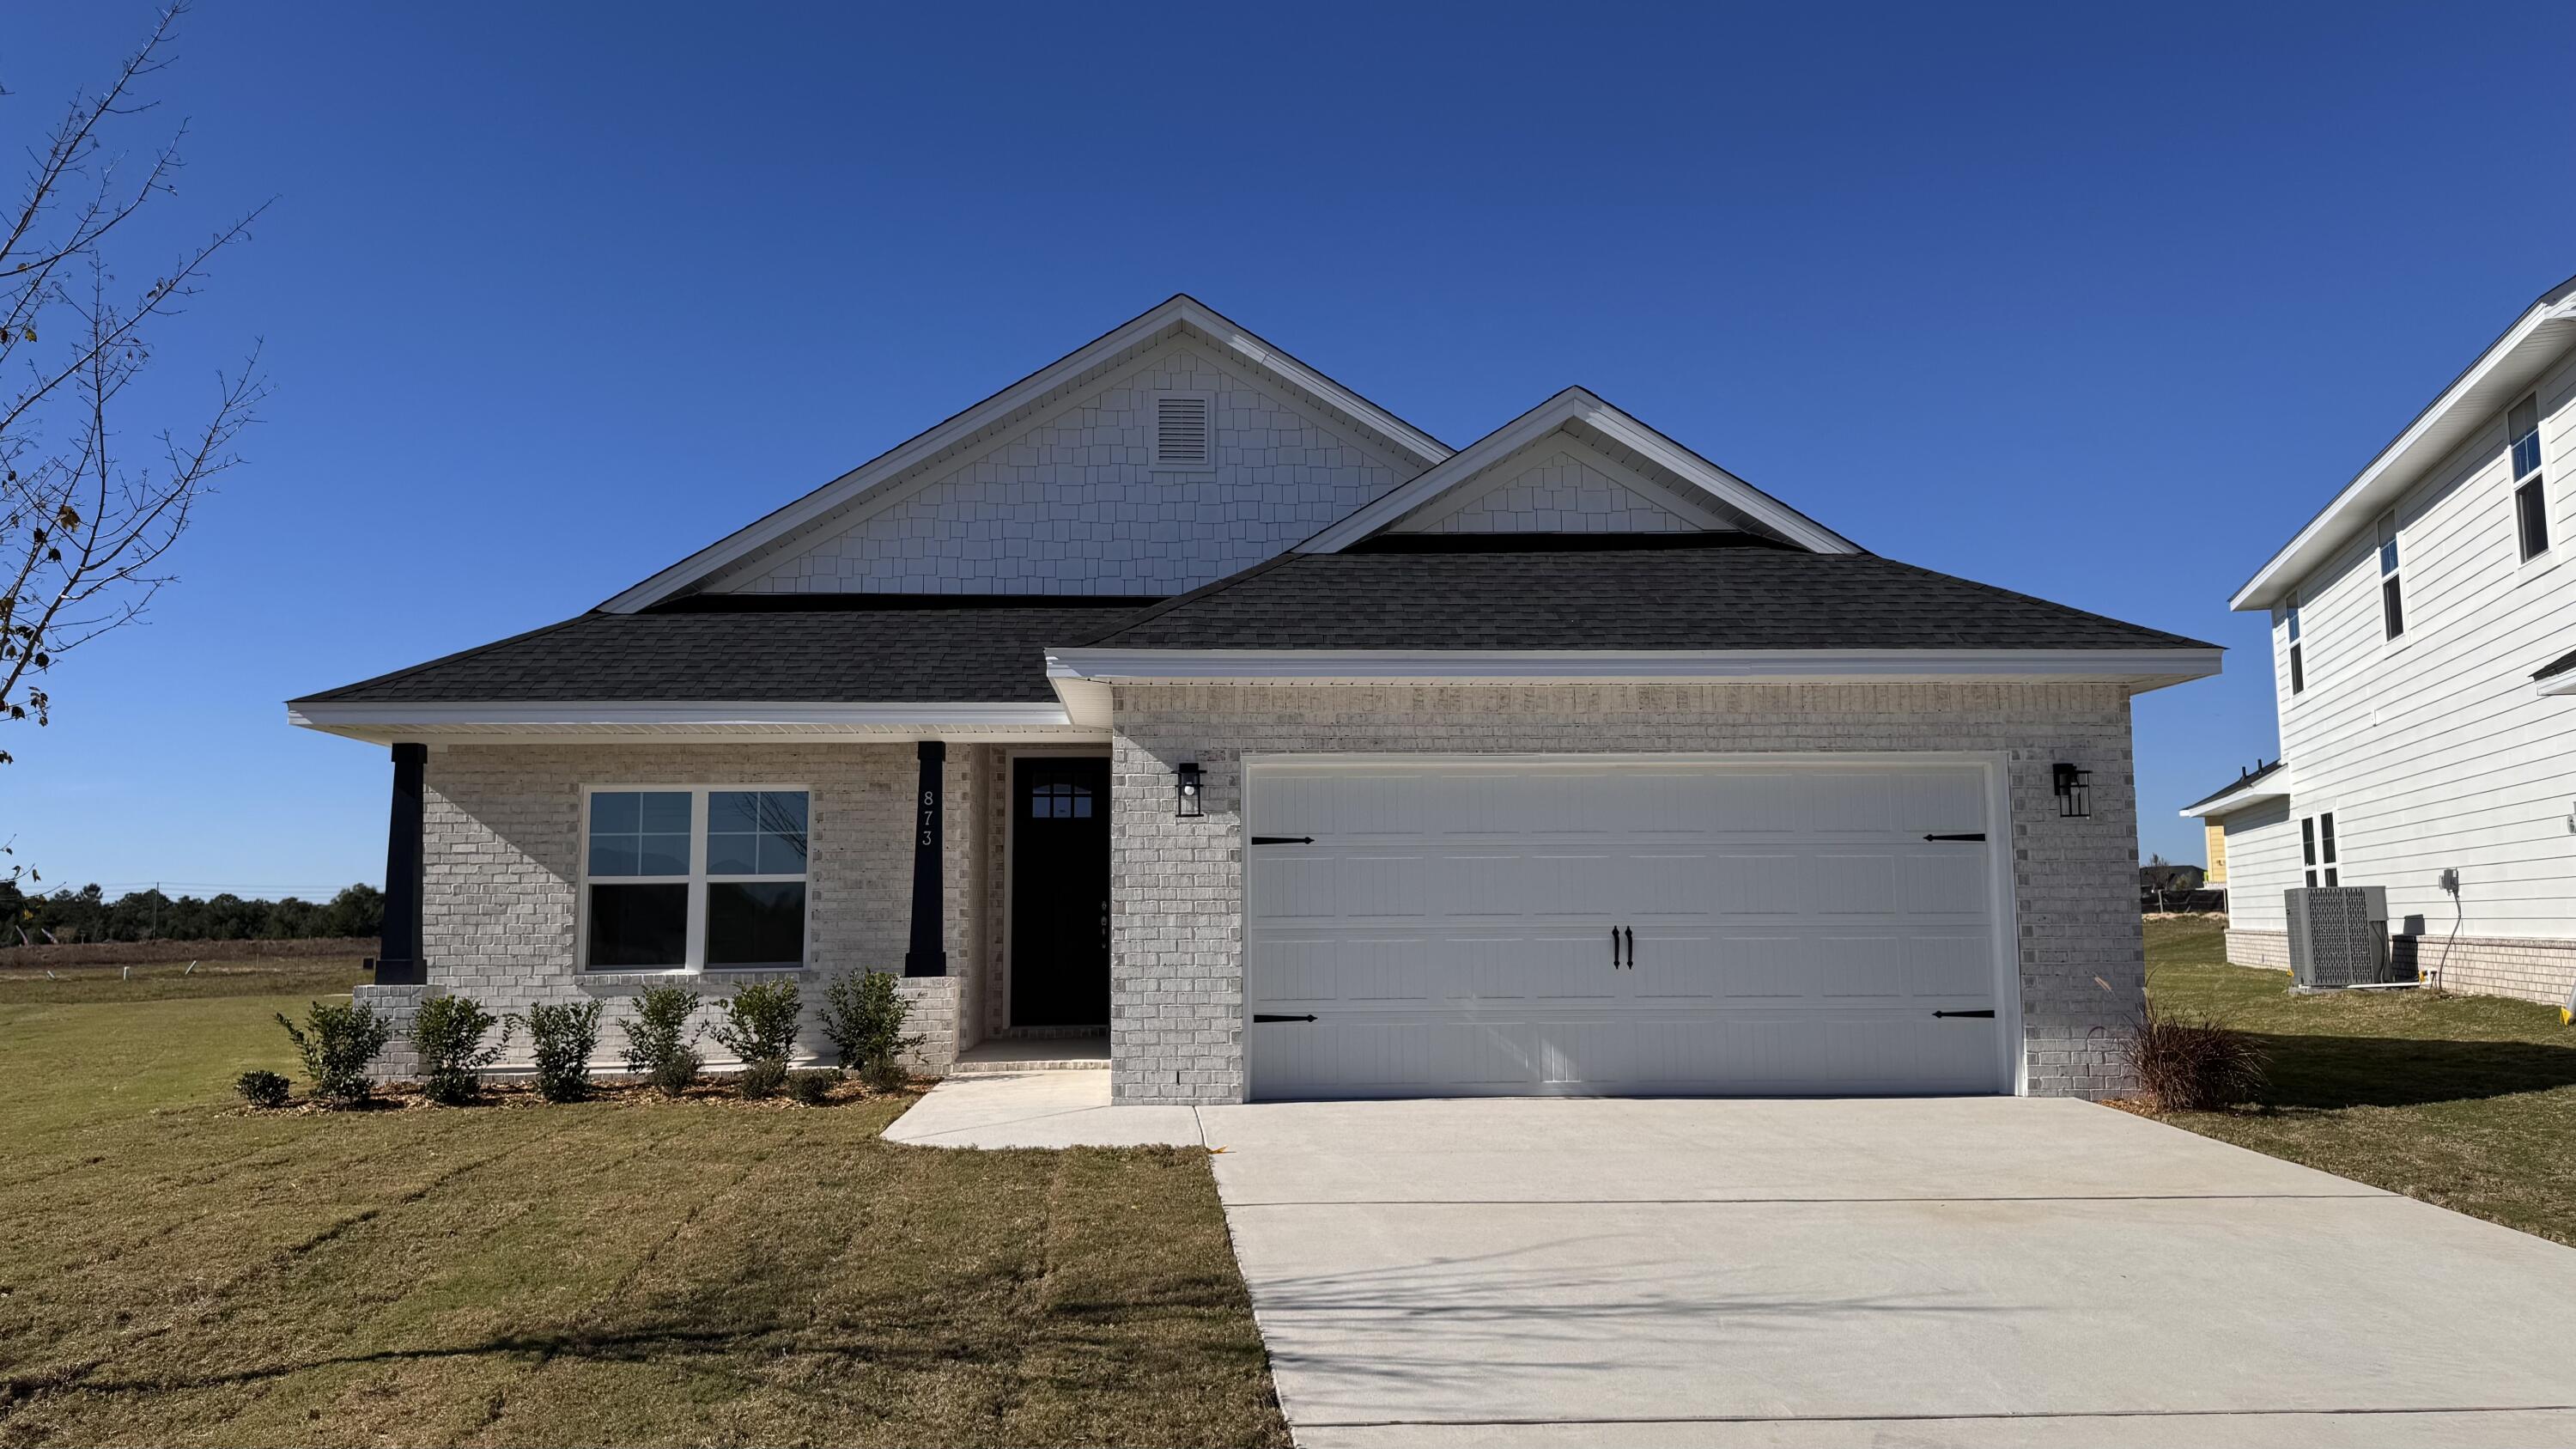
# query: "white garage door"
[1570,925]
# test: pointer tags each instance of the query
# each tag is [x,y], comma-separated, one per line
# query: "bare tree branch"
[86,531]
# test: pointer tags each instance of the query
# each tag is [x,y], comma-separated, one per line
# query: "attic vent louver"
[1181,428]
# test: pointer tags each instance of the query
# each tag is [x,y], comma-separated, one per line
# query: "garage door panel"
[1744,882]
[1373,886]
[1450,929]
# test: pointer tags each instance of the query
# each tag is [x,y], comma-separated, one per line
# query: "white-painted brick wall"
[502,847]
[1072,507]
[1177,974]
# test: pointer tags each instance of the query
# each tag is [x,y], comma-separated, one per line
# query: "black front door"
[1059,892]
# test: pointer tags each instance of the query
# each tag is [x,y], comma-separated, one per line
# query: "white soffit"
[2497,379]
[2274,786]
[385,722]
[1580,407]
[1183,311]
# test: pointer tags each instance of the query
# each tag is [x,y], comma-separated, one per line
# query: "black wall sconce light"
[1188,780]
[2074,790]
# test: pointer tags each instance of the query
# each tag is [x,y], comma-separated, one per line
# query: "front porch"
[976,871]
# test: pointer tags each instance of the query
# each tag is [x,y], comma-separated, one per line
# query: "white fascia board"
[2145,668]
[1579,405]
[2491,384]
[2275,786]
[628,715]
[894,463]
[2556,684]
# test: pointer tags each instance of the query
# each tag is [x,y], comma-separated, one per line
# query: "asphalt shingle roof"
[2557,666]
[1681,598]
[890,652]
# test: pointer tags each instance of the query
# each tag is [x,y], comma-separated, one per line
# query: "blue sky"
[2096,305]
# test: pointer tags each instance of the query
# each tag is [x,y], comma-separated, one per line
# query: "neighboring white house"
[1180,695]
[2422,629]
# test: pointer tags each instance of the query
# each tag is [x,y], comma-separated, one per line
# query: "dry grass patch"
[186,1271]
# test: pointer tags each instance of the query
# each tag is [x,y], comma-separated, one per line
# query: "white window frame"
[1154,432]
[2536,478]
[2294,657]
[2319,851]
[2389,542]
[698,879]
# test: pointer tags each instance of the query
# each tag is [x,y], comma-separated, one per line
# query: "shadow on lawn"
[2365,1071]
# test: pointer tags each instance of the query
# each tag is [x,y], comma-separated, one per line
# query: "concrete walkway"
[1925,1272]
[1038,1109]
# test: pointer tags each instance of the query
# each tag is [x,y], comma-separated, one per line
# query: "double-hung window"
[2298,659]
[2392,595]
[2317,849]
[2530,504]
[693,879]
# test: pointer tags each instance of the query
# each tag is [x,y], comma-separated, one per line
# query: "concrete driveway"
[1976,1271]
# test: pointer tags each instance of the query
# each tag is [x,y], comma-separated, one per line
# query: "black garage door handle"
[1965,835]
[1283,840]
[1987,1012]
[1259,1016]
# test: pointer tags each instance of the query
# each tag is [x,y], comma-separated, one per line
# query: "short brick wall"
[502,840]
[1177,885]
[2523,968]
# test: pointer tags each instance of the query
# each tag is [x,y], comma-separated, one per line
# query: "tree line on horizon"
[87,914]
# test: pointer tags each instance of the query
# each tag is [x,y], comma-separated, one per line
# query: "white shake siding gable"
[1072,503]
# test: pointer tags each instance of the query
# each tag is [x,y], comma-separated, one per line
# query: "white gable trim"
[1579,405]
[387,722]
[2500,375]
[1232,339]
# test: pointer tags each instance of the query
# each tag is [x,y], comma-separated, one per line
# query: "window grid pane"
[639,833]
[2533,516]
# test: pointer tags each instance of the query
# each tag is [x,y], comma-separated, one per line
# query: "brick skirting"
[2523,968]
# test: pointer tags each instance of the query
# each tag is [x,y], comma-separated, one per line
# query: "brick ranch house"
[1178,695]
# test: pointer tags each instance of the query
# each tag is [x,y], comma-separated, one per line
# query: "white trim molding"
[1578,405]
[387,722]
[2140,669]
[2499,376]
[1181,311]
[2274,786]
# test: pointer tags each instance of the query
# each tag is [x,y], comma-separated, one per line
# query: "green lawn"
[180,1271]
[2464,1101]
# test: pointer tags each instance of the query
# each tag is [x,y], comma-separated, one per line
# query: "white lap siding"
[502,843]
[2434,752]
[1177,885]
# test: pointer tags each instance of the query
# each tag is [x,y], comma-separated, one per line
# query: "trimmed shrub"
[563,1036]
[813,1088]
[337,1043]
[863,1015]
[659,1037]
[760,1024]
[761,1079]
[262,1089]
[676,1073]
[2192,1063]
[448,1033]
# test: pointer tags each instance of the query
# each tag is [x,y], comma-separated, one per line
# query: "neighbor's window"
[2308,848]
[2392,597]
[2326,845]
[2317,849]
[694,879]
[2530,509]
[2298,663]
